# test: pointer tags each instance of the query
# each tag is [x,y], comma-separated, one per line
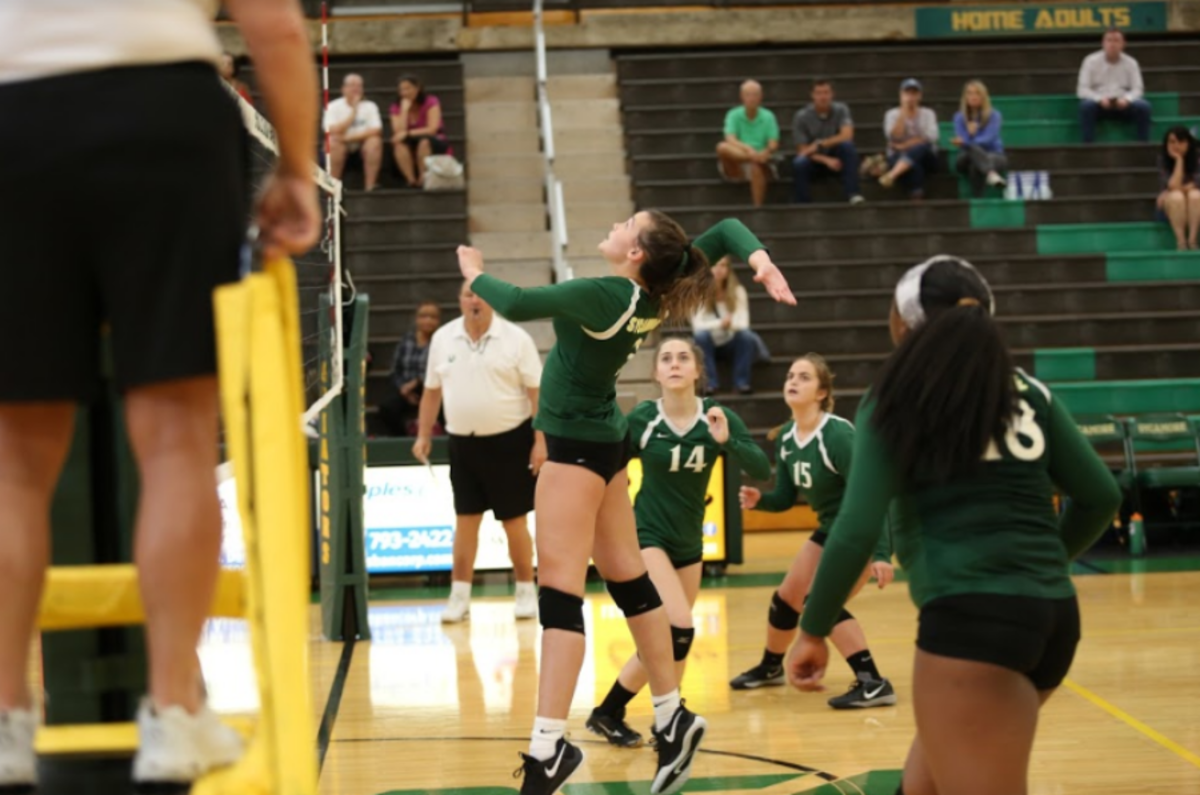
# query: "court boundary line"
[334,702]
[1135,724]
[829,777]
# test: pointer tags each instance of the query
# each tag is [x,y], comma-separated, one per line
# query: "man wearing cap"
[912,136]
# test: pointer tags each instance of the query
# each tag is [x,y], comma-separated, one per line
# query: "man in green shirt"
[751,138]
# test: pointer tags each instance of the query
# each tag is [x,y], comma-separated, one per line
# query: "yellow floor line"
[1134,723]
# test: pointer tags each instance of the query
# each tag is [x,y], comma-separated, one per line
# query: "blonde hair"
[985,110]
[732,283]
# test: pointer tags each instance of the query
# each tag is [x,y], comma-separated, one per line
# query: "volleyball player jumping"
[582,499]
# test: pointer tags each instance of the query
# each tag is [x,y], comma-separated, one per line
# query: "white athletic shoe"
[178,747]
[18,762]
[458,609]
[527,601]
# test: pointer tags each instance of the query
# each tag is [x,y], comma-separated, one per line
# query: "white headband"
[908,291]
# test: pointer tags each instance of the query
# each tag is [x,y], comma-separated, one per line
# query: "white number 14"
[695,460]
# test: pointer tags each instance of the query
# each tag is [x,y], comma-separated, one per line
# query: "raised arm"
[1082,476]
[732,237]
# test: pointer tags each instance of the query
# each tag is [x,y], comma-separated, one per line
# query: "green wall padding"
[1130,397]
[1065,364]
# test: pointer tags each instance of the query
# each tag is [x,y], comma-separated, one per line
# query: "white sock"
[462,589]
[546,734]
[525,587]
[664,708]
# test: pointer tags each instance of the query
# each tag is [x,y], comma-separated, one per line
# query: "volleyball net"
[319,272]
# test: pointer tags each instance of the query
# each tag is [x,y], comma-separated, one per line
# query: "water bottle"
[1137,536]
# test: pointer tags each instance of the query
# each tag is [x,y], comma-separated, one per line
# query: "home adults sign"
[1034,19]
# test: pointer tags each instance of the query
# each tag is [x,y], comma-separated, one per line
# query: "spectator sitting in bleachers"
[1179,202]
[1110,86]
[823,133]
[418,129]
[722,329]
[354,126]
[912,136]
[399,413]
[751,139]
[977,134]
[229,72]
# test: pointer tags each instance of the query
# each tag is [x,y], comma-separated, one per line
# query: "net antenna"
[318,271]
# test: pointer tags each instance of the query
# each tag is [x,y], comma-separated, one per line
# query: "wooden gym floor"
[424,708]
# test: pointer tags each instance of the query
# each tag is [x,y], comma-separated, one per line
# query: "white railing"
[554,189]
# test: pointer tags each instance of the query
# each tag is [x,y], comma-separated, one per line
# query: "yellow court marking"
[1120,714]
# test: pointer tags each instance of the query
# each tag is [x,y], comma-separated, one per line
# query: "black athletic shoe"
[676,746]
[865,693]
[615,730]
[759,676]
[544,778]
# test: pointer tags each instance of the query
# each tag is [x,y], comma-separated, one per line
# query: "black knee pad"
[681,641]
[558,610]
[636,596]
[782,615]
[845,615]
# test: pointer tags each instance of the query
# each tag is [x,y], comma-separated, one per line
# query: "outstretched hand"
[767,274]
[470,262]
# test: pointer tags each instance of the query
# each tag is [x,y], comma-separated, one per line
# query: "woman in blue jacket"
[977,135]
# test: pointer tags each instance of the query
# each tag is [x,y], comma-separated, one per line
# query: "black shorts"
[681,562]
[125,204]
[491,473]
[438,146]
[606,459]
[1035,637]
[819,537]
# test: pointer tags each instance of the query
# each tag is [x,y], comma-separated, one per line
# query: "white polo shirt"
[366,116]
[484,384]
[41,38]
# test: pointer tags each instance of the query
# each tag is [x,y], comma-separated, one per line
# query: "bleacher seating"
[1088,270]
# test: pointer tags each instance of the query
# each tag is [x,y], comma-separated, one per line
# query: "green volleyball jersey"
[599,324]
[816,468]
[676,468]
[993,530]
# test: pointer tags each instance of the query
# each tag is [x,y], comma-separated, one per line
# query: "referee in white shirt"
[488,371]
[126,205]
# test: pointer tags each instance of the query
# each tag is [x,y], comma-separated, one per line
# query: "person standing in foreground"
[678,438]
[582,499]
[813,453]
[488,371]
[972,449]
[141,79]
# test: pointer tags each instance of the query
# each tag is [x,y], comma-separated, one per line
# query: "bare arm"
[538,455]
[730,138]
[1176,180]
[846,133]
[278,44]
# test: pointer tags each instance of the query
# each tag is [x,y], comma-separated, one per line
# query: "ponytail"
[947,391]
[676,273]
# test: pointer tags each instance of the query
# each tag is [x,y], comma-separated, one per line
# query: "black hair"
[676,273]
[1191,161]
[420,99]
[822,81]
[948,389]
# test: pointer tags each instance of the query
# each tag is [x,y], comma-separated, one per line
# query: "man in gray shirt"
[823,133]
[1110,86]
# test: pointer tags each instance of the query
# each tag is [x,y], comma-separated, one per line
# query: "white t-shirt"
[366,116]
[42,38]
[485,384]
[707,320]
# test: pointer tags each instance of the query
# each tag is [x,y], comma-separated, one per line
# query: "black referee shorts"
[125,203]
[1032,636]
[492,473]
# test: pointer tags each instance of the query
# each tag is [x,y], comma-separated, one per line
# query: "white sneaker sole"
[691,744]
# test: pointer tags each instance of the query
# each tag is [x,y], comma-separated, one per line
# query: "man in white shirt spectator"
[488,371]
[355,126]
[1110,86]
